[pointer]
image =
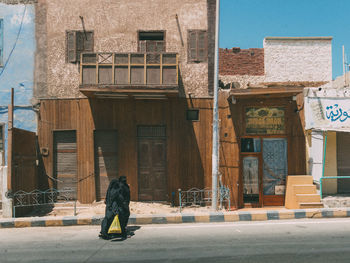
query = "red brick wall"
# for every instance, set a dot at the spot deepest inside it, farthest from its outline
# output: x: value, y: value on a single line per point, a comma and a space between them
x: 238, y: 61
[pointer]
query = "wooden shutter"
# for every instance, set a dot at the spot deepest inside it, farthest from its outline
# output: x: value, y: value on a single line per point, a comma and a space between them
x: 89, y: 42
x: 71, y: 46
x: 201, y: 46
x: 65, y: 156
x: 192, y: 45
x: 197, y: 46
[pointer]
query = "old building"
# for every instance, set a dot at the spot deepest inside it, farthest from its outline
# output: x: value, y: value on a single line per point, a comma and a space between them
x: 263, y: 126
x: 328, y: 120
x: 125, y: 88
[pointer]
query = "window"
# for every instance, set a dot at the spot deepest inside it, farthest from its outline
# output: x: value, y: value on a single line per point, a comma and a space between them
x: 151, y: 41
x: 192, y: 115
x: 197, y: 46
x: 1, y: 41
x: 78, y: 42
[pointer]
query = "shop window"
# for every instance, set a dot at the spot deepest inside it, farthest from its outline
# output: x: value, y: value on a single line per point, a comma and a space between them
x: 250, y: 145
x: 1, y: 41
x: 78, y: 42
x: 151, y: 41
x: 197, y: 46
x: 192, y: 115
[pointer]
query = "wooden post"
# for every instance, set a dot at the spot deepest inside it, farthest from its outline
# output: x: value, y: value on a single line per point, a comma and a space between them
x: 9, y: 143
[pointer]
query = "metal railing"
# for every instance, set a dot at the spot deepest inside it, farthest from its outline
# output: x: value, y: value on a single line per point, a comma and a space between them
x: 39, y: 198
x: 203, y: 197
x: 331, y: 177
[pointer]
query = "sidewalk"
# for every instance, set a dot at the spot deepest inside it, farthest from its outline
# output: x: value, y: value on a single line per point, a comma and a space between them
x: 260, y: 214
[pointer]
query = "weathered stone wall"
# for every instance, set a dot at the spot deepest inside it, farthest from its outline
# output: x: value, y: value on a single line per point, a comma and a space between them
x: 241, y: 81
x: 115, y: 25
x: 298, y: 59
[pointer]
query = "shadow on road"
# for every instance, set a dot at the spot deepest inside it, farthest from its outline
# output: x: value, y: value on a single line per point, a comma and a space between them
x: 131, y: 232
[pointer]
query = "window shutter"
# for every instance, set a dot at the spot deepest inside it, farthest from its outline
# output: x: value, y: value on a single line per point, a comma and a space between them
x: 192, y: 45
x: 201, y: 46
x: 71, y: 46
x: 89, y: 42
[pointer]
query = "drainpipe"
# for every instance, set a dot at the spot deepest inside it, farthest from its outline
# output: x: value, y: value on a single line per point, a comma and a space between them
x: 215, y: 153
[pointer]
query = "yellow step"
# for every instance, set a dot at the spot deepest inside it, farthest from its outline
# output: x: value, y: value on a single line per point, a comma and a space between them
x: 304, y: 189
x: 311, y: 205
x: 308, y: 198
x: 300, y: 179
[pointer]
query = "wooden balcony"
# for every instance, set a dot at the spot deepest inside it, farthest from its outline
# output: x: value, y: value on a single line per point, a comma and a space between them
x: 129, y: 74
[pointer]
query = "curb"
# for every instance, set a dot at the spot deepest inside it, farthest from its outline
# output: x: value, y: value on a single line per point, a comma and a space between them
x: 178, y: 218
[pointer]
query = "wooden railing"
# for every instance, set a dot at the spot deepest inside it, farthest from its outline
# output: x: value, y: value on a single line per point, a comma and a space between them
x: 139, y: 69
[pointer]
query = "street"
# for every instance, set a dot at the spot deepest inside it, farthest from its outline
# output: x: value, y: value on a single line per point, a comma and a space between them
x: 315, y: 240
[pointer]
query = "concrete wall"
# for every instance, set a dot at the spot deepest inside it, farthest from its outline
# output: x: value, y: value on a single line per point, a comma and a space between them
x: 115, y: 25
x: 298, y: 59
x: 18, y: 73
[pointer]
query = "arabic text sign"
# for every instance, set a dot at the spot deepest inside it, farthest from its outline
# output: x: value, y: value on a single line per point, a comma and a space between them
x: 327, y: 113
x: 267, y: 120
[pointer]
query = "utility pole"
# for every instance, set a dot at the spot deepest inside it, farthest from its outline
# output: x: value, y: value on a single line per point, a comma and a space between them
x: 344, y: 67
x: 215, y: 153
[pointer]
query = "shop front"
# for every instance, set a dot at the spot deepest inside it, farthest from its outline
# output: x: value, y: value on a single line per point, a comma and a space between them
x: 271, y: 145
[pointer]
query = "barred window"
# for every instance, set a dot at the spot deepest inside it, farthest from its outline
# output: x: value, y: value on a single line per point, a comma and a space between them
x: 151, y: 41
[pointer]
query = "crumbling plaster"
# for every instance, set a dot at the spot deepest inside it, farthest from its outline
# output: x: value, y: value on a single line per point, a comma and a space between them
x: 115, y: 24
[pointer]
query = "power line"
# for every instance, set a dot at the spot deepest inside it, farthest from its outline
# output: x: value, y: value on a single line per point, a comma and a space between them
x: 14, y: 45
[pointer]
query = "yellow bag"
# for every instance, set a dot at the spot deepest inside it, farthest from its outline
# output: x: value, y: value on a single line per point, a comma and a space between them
x: 115, y: 226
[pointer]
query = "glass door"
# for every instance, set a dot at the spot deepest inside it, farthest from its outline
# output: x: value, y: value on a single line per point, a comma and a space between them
x: 251, y: 179
x: 275, y: 169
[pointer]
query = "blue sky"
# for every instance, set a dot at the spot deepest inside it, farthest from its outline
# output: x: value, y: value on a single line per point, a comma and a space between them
x: 245, y: 23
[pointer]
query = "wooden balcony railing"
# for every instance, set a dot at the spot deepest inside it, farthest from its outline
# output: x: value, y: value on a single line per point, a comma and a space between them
x: 129, y: 69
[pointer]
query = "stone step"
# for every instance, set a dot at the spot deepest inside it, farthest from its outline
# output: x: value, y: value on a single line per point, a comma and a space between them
x: 310, y: 205
x: 308, y: 198
x: 304, y: 189
x: 300, y: 179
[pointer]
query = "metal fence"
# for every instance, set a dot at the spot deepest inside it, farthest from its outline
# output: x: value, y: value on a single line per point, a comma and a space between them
x: 203, y: 197
x: 39, y: 198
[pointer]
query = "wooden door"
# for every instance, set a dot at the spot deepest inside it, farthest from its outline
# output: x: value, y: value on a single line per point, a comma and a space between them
x: 65, y: 160
x: 343, y: 164
x: 106, y: 160
x: 152, y: 174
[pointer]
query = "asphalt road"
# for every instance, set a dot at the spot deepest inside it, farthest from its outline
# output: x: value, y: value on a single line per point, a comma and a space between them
x: 313, y: 240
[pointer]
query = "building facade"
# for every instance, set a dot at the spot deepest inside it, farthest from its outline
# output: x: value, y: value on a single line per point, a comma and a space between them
x: 125, y: 88
x: 265, y: 102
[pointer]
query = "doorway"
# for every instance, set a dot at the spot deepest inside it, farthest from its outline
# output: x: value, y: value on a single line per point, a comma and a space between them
x: 264, y: 171
x: 152, y: 172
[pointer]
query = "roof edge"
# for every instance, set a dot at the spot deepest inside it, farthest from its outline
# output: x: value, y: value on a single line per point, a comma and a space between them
x: 299, y: 38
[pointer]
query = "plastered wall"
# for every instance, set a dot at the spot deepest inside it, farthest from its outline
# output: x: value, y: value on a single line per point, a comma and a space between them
x: 298, y: 59
x: 115, y: 24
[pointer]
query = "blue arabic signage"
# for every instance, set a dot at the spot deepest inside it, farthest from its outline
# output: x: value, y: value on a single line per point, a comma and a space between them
x: 327, y: 113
